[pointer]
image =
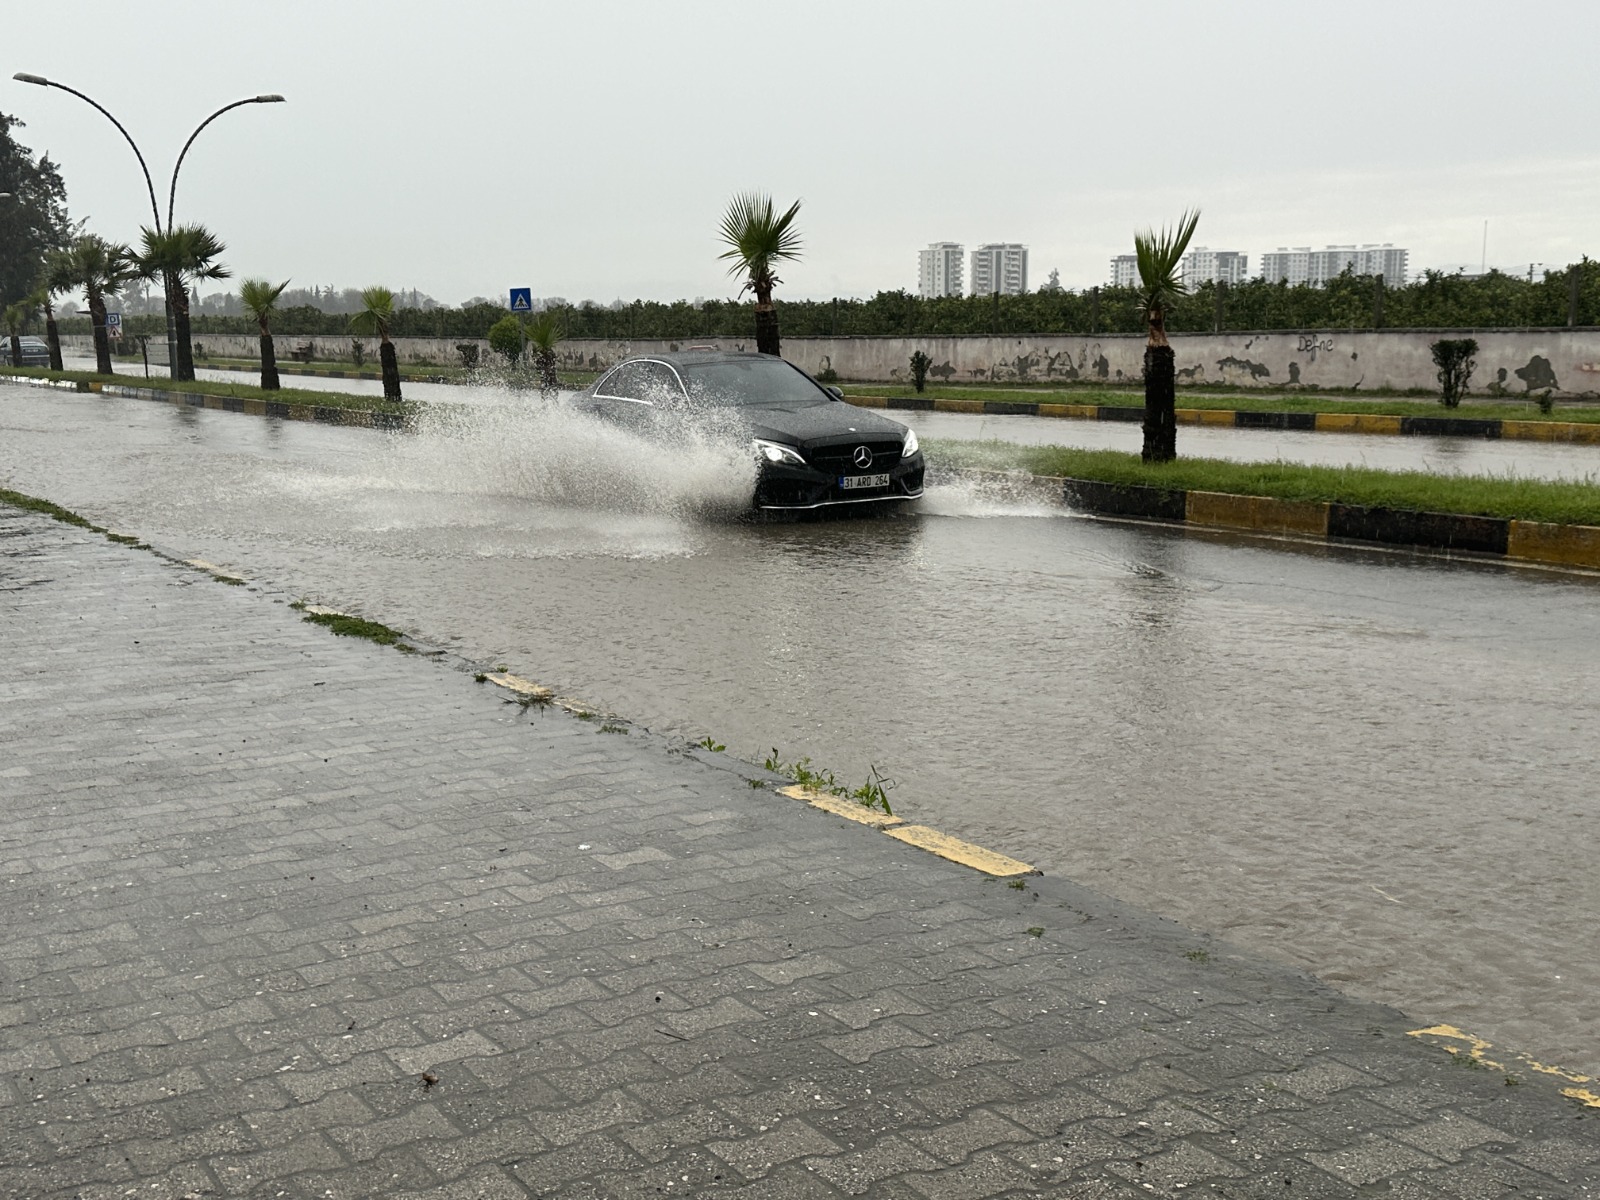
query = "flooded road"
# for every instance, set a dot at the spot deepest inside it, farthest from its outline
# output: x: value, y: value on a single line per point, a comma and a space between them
x: 1374, y: 765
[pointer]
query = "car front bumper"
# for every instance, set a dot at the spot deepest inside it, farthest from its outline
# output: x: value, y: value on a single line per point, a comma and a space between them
x: 786, y: 487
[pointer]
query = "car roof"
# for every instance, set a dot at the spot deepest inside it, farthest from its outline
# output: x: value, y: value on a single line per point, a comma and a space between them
x: 696, y: 357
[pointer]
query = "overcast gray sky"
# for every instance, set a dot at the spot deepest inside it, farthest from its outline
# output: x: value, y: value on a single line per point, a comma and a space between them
x: 588, y: 148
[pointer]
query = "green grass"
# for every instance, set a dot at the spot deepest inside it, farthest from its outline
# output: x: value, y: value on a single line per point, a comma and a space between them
x: 419, y: 372
x: 1214, y: 396
x: 211, y: 387
x: 343, y: 625
x: 34, y: 504
x: 1558, y: 502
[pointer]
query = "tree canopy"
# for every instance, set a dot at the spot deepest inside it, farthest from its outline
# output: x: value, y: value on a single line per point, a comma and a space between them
x: 33, y: 221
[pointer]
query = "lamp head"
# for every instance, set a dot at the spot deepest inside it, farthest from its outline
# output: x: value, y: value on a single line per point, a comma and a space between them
x: 274, y: 98
x: 24, y: 77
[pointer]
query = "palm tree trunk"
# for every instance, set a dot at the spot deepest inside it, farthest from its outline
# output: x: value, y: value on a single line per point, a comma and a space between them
x: 1160, y: 393
x: 766, y: 322
x: 391, y: 369
x: 16, y: 350
x: 1160, y: 404
x: 52, y: 335
x: 180, y: 321
x: 269, y: 361
x: 102, y: 343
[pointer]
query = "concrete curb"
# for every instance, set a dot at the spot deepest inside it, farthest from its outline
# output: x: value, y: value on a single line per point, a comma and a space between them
x: 1524, y: 541
x: 1377, y: 423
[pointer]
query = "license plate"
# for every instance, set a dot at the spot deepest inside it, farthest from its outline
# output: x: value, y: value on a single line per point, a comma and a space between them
x: 847, y: 482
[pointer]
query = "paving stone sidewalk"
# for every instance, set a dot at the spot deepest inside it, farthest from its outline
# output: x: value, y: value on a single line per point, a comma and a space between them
x: 293, y: 915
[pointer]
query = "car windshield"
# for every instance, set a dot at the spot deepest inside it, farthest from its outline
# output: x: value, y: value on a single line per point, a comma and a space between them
x: 750, y: 383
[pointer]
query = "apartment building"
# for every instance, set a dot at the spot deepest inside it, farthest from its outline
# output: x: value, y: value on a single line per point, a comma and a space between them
x: 1305, y: 265
x: 1203, y: 265
x: 939, y: 270
x: 1000, y: 267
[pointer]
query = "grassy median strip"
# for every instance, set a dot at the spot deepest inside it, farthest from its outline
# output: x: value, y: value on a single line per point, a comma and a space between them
x: 1393, y: 404
x: 212, y: 387
x: 1555, y: 501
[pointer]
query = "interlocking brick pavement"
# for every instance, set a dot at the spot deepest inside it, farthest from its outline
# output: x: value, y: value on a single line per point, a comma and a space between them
x: 294, y: 915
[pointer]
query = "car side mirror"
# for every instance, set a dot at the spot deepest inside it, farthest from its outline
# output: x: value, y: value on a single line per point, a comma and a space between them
x: 836, y: 393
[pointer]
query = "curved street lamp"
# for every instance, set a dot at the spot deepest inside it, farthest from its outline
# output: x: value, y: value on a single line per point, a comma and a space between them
x: 172, y: 191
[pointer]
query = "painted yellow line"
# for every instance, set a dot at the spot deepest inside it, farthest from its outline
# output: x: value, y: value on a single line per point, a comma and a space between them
x: 201, y: 564
x: 1551, y: 431
x: 1455, y: 1041
x: 1205, y: 416
x: 1573, y: 545
x: 1306, y: 517
x: 1357, y: 423
x: 523, y: 687
x: 1073, y: 412
x: 958, y: 851
x: 840, y: 806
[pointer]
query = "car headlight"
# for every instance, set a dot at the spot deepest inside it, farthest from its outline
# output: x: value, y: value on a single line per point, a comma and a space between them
x: 911, y: 446
x: 777, y: 452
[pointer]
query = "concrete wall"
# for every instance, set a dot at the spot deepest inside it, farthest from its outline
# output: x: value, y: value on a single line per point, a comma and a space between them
x: 1510, y: 362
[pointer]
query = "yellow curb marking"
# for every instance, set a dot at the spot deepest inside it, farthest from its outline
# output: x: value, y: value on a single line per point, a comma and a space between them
x: 1578, y: 545
x: 201, y: 564
x: 958, y: 851
x: 1474, y: 1047
x: 1257, y: 512
x: 1071, y: 412
x: 523, y: 687
x: 1205, y: 416
x: 839, y: 806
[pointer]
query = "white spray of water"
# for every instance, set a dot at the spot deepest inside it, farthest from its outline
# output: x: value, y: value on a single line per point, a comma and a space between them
x: 523, y: 446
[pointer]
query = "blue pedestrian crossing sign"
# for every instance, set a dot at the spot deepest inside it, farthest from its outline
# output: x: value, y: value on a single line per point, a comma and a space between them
x: 521, y: 299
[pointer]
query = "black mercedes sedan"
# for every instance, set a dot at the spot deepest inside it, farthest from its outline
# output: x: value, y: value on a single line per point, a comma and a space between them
x: 813, y: 450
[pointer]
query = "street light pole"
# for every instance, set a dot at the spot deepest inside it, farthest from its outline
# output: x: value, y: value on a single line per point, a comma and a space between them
x: 172, y: 192
x: 168, y: 283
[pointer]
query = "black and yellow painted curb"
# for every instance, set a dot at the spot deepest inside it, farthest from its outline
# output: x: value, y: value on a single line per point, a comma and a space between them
x: 325, y: 414
x: 325, y: 373
x: 1379, y: 423
x: 1526, y: 541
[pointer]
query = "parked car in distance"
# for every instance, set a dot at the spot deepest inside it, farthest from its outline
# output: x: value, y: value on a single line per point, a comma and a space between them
x: 812, y: 449
x: 34, y: 352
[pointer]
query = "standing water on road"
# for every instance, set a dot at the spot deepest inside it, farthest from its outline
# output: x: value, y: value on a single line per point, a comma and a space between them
x: 1375, y: 765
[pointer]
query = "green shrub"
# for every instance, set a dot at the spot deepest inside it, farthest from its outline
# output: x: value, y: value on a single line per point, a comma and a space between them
x: 920, y: 363
x: 505, y: 338
x: 1454, y: 358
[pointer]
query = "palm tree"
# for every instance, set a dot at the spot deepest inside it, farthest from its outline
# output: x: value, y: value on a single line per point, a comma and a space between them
x: 544, y: 333
x: 56, y: 279
x: 14, y: 318
x: 1160, y: 284
x: 376, y: 313
x: 177, y: 257
x: 757, y: 241
x: 260, y: 300
x: 99, y: 268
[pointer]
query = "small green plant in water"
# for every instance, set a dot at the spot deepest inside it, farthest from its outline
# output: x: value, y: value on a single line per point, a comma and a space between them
x: 612, y: 727
x: 1016, y: 885
x: 871, y: 794
x: 480, y: 677
x: 341, y: 625
x: 1036, y: 931
x: 582, y: 715
x: 707, y: 743
x: 1199, y: 956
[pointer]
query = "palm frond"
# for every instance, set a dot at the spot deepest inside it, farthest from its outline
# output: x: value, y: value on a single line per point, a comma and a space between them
x: 1159, y: 256
x: 376, y: 312
x: 185, y: 251
x: 259, y: 297
x: 545, y: 331
x: 757, y: 238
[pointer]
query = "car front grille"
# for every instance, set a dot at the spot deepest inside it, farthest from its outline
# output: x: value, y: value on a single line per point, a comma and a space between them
x: 839, y: 460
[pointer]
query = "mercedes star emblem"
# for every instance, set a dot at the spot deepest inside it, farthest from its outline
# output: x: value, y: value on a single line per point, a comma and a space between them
x: 862, y: 457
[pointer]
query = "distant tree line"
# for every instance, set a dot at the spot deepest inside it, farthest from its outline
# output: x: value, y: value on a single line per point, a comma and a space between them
x: 1435, y: 301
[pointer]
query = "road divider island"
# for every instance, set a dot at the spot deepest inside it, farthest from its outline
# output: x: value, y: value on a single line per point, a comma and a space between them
x: 1553, y: 522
